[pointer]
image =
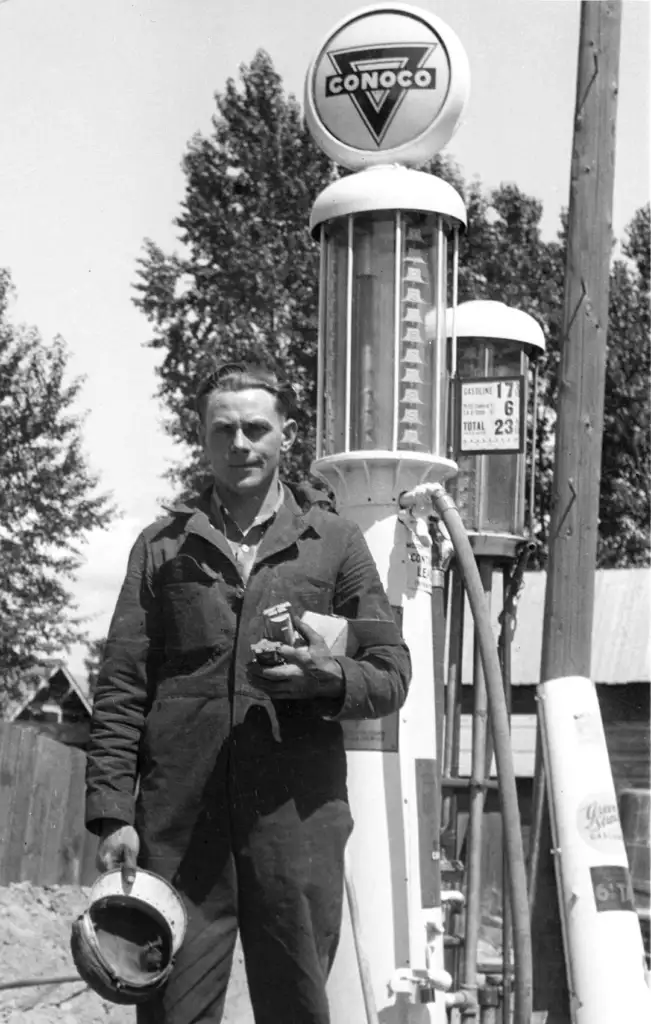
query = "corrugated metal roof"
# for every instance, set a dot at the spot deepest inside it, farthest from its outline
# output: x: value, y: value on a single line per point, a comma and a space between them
x: 621, y: 651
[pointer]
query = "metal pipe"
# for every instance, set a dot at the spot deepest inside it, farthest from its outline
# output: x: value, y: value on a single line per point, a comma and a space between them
x: 488, y: 1015
x: 477, y: 801
x: 450, y: 830
x: 438, y: 638
x: 396, y: 330
x: 458, y: 707
x: 362, y: 961
x: 62, y: 979
x: 440, y: 291
x: 460, y: 999
x: 450, y: 765
x: 534, y: 453
x: 453, y: 348
x: 320, y: 374
x: 501, y: 737
x: 450, y: 782
x: 349, y: 329
x: 489, y: 1002
x: 455, y: 299
x: 438, y: 634
x: 505, y: 660
x: 537, y: 822
x: 489, y: 751
x: 512, y: 584
x: 450, y: 759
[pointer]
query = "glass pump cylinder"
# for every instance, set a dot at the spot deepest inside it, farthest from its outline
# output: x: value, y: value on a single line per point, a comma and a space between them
x: 387, y: 278
x: 494, y: 341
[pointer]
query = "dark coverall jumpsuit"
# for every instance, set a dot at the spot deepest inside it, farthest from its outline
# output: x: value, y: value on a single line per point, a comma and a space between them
x: 242, y: 800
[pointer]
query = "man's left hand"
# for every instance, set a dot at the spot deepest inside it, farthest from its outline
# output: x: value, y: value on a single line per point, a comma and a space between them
x: 309, y: 671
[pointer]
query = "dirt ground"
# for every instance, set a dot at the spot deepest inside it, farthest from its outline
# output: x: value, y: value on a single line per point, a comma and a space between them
x: 34, y: 943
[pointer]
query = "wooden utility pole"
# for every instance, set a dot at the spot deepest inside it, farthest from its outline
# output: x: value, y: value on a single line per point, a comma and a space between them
x: 569, y: 597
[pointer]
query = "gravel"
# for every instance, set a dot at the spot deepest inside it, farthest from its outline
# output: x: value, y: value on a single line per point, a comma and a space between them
x: 35, y: 943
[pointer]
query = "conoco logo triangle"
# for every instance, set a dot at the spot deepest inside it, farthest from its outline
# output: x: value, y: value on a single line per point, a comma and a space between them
x: 377, y: 79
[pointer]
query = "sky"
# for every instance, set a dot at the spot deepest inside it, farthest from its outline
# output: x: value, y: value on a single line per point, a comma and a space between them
x: 97, y: 104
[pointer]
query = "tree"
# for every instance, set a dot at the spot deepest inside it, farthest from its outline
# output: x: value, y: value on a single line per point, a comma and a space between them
x: 48, y: 500
x: 245, y: 284
x: 246, y: 281
x: 625, y: 481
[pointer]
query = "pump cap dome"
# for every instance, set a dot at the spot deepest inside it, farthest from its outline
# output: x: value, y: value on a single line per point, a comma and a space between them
x: 388, y: 188
x: 486, y: 318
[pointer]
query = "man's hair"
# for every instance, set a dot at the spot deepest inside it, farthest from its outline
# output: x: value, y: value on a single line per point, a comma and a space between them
x: 239, y: 377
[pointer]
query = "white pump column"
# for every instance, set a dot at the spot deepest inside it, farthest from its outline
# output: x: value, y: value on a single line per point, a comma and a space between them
x: 383, y: 386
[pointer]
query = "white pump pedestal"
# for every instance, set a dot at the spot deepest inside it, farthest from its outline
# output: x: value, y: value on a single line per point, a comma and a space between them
x: 392, y: 784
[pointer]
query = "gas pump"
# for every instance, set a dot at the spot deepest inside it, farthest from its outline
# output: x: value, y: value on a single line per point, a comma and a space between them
x: 384, y: 94
x: 495, y: 398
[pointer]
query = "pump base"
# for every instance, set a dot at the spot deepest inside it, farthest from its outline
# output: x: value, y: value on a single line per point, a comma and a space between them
x: 379, y: 477
x: 502, y: 547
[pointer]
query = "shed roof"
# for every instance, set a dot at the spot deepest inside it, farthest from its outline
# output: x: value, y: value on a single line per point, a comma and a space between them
x: 58, y: 684
x: 621, y: 651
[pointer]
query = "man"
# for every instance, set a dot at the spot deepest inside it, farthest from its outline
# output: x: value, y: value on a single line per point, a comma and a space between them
x: 241, y: 769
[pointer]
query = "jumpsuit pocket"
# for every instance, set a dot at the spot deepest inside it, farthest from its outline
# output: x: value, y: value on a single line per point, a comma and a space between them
x: 183, y: 729
x: 314, y: 595
x: 192, y: 619
x: 185, y: 569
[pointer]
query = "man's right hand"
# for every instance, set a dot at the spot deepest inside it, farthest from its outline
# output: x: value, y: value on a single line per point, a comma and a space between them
x: 119, y: 848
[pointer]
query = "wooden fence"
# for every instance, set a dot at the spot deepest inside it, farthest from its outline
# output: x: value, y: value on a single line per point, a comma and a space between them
x: 42, y: 834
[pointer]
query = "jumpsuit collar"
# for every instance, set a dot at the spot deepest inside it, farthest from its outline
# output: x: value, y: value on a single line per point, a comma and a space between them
x: 222, y: 518
x: 289, y: 524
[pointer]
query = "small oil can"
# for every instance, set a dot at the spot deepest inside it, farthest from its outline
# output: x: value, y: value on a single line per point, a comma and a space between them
x: 278, y: 624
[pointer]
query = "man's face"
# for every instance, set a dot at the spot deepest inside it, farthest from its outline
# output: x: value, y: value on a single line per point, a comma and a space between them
x: 244, y: 436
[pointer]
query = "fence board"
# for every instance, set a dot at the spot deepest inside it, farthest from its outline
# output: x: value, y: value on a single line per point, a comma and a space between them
x: 42, y: 834
x: 54, y: 767
x: 9, y: 747
x: 23, y: 771
x: 38, y: 800
x: 59, y: 797
x: 73, y: 833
